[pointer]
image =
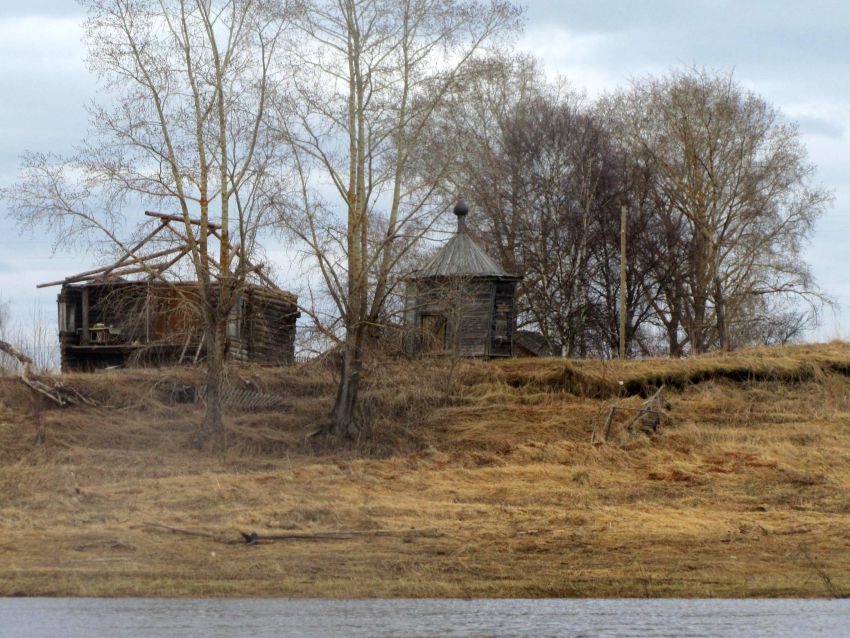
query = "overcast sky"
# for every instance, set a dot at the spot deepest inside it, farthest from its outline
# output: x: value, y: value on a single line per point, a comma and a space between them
x: 794, y: 54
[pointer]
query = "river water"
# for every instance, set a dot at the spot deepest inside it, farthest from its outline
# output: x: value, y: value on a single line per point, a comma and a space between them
x: 237, y: 618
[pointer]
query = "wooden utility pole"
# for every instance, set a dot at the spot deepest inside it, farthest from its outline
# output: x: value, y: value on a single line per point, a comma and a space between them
x: 622, y: 282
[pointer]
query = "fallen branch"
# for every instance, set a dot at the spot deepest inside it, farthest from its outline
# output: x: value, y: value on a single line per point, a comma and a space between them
x: 653, y: 405
x: 57, y: 393
x: 827, y: 581
x: 253, y: 538
x: 12, y: 351
x: 104, y: 559
x: 650, y: 413
x: 178, y: 530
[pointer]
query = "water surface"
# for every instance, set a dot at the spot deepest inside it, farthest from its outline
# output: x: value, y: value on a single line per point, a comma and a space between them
x: 237, y: 618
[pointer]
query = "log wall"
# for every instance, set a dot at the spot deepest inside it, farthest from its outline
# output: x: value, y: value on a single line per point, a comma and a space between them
x: 140, y: 323
x: 479, y: 314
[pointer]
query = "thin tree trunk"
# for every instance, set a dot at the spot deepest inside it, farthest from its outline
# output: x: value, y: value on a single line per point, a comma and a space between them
x: 720, y: 311
x: 211, y: 430
x: 342, y: 416
x: 674, y: 347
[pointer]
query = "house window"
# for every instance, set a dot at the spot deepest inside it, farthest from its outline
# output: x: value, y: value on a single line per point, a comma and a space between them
x: 234, y: 321
x: 67, y: 320
x: 500, y: 328
x: 433, y: 329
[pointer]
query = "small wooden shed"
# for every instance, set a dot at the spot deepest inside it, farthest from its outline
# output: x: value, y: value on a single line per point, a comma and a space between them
x: 130, y: 314
x: 461, y: 301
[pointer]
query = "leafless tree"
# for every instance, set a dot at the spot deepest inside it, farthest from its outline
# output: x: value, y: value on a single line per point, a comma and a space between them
x: 628, y: 183
x: 186, y: 127
x: 369, y: 75
x: 486, y: 159
x: 549, y: 181
x: 716, y: 185
x: 734, y: 184
x: 4, y: 314
x: 5, y: 362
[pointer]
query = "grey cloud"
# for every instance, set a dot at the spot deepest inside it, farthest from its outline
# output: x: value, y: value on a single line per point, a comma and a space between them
x: 52, y: 8
x: 776, y: 17
x: 47, y: 87
x: 820, y: 126
x: 770, y: 37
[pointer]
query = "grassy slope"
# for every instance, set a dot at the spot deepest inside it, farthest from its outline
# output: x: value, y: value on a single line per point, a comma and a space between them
x: 743, y: 493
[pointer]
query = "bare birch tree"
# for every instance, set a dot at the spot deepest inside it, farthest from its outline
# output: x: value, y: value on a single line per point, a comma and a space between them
x: 488, y: 158
x: 369, y: 77
x: 185, y: 127
x: 733, y: 177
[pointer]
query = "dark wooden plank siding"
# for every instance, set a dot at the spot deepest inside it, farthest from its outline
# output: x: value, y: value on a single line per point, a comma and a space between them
x: 502, y: 326
x: 474, y: 319
x: 270, y: 328
x: 466, y: 305
x: 156, y: 324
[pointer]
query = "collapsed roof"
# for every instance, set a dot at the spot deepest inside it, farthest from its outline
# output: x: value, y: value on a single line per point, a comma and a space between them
x: 139, y: 261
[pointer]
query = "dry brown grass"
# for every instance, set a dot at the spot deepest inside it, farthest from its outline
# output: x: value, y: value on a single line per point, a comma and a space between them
x: 743, y: 493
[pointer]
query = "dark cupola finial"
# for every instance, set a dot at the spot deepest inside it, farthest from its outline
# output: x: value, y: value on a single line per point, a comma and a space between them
x: 461, y: 210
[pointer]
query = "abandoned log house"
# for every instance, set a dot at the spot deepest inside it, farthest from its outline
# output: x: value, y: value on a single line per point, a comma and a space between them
x: 131, y: 313
x: 461, y: 301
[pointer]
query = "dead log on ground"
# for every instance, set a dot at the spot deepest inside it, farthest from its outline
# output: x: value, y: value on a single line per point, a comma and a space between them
x: 649, y: 416
x: 253, y: 538
x: 56, y: 392
x: 650, y: 413
x: 178, y: 530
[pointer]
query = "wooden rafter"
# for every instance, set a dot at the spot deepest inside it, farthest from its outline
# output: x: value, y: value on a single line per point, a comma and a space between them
x: 132, y: 263
x: 178, y: 218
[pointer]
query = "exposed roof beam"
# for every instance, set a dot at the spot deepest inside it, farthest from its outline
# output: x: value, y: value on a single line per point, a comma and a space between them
x: 180, y: 218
